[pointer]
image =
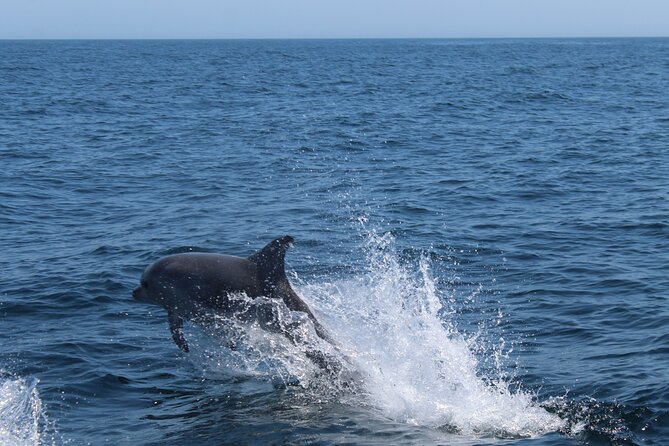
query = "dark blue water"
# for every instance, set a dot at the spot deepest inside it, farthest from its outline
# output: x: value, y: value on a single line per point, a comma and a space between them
x: 483, y: 226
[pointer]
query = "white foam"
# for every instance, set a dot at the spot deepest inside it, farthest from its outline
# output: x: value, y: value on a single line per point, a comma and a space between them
x: 21, y: 412
x: 418, y: 368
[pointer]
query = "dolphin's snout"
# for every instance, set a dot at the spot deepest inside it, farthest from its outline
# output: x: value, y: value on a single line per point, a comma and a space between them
x: 136, y: 293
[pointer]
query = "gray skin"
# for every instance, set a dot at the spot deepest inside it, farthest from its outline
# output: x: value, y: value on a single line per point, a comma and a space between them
x: 195, y: 286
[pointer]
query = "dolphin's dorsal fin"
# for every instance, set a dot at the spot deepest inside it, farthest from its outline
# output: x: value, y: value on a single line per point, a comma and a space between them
x: 271, y: 273
x: 270, y: 262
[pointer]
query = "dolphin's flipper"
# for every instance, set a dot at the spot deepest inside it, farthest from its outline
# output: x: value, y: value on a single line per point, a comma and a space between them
x: 176, y: 327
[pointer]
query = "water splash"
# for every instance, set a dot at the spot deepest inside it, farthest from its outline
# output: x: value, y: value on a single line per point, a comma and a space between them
x: 392, y: 328
x: 418, y: 368
x: 249, y: 351
x: 591, y: 421
x: 22, y: 418
x: 300, y: 359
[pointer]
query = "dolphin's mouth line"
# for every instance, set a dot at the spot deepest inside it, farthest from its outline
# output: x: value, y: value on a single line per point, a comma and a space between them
x: 139, y: 297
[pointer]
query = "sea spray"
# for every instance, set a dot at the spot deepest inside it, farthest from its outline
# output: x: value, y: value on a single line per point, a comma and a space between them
x: 230, y: 348
x: 22, y: 418
x: 418, y: 367
x: 394, y: 325
x: 225, y: 347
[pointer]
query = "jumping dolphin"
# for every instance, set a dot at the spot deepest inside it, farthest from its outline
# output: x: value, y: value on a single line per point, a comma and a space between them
x: 193, y: 286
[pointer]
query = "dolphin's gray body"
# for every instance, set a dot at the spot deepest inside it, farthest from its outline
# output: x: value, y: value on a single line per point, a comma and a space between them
x: 195, y: 285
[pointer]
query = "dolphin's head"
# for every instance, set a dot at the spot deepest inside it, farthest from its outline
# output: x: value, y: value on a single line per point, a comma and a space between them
x: 151, y: 289
x: 142, y: 294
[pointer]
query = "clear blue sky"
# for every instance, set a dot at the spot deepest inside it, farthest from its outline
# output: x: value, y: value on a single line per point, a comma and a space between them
x: 47, y: 19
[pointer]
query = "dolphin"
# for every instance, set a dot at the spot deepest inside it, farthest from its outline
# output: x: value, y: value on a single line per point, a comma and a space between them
x: 195, y: 286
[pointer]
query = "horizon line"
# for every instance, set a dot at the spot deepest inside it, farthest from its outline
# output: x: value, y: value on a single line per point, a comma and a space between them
x: 335, y: 38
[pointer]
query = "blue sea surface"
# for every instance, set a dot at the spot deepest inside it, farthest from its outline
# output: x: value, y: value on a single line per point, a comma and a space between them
x: 482, y: 226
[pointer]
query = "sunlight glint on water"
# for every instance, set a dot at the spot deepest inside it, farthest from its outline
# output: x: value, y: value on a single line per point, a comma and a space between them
x: 549, y: 154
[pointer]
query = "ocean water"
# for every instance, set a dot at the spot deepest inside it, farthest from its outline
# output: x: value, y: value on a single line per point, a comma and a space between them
x: 482, y: 226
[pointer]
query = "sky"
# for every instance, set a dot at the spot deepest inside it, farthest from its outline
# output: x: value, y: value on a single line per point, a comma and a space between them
x: 230, y: 19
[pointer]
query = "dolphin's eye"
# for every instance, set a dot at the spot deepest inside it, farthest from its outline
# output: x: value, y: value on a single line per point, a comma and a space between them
x: 145, y: 284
